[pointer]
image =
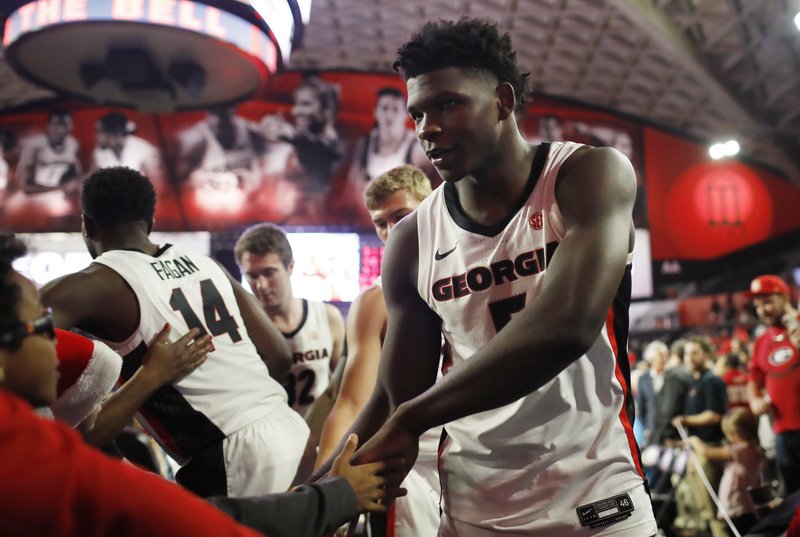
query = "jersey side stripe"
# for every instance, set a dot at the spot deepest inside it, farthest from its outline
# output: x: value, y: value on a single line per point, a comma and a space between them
x: 390, y: 520
x: 189, y: 430
x: 616, y: 328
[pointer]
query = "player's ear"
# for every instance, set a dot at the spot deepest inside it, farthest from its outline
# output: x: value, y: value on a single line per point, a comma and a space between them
x: 290, y: 267
x: 88, y: 226
x: 506, y: 100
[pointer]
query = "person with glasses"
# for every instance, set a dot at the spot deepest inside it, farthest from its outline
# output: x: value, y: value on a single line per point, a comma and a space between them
x: 53, y: 484
x: 28, y: 362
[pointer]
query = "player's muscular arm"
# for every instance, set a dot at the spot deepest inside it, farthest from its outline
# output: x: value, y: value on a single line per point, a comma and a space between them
x: 366, y: 322
x: 595, y: 194
x: 269, y: 342
x: 96, y: 300
x: 412, y: 345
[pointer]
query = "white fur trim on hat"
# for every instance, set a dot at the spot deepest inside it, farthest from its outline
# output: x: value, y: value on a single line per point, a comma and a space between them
x: 95, y: 383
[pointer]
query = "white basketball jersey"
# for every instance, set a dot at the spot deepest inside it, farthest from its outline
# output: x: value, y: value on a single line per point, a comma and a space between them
x: 232, y: 389
x: 52, y: 166
x: 136, y: 153
x: 561, y: 460
x: 311, y: 345
x: 223, y: 168
x: 376, y: 163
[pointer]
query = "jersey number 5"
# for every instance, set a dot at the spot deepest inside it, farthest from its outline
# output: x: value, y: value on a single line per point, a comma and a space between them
x: 502, y: 310
x: 218, y: 320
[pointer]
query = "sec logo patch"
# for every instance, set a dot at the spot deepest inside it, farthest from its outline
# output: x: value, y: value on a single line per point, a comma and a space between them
x: 536, y: 220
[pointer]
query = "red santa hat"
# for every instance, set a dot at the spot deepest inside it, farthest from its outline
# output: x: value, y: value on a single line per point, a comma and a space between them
x: 89, y: 370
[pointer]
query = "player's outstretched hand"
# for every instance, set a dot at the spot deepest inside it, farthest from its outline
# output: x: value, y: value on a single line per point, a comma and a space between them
x: 391, y: 441
x: 376, y: 484
x: 169, y: 362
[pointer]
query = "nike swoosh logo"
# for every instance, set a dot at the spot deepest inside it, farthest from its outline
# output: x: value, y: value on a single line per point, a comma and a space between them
x: 438, y: 257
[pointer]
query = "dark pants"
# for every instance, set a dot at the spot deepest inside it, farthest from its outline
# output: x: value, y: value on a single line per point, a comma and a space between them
x: 787, y: 457
x: 743, y: 523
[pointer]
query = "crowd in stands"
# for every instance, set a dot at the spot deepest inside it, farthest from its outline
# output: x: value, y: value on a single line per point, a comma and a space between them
x: 718, y: 410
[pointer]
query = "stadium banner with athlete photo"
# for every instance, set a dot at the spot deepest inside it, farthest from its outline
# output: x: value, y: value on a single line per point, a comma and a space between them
x: 302, y: 151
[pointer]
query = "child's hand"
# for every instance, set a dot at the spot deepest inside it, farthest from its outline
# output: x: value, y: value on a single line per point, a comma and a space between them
x: 169, y: 362
x: 375, y: 484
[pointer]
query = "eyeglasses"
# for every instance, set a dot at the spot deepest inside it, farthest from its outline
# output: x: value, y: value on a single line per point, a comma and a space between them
x: 41, y: 326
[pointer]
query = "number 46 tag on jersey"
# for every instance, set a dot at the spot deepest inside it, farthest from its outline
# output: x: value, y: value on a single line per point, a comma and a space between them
x: 606, y: 511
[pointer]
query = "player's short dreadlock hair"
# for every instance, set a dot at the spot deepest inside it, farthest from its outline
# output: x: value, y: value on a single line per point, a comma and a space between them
x: 466, y: 44
x: 118, y: 194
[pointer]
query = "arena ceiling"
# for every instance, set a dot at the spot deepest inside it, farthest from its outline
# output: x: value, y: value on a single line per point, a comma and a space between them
x: 712, y: 69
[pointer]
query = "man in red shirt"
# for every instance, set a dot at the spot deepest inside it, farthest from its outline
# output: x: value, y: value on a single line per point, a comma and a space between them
x: 775, y: 373
x: 735, y: 378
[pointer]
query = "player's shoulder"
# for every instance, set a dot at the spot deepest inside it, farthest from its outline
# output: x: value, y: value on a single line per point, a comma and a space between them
x: 37, y: 141
x: 405, y: 232
x: 368, y: 307
x: 369, y: 297
x: 586, y: 157
x: 90, y: 276
x: 93, y: 290
x: 602, y: 170
x: 331, y: 311
x: 72, y: 143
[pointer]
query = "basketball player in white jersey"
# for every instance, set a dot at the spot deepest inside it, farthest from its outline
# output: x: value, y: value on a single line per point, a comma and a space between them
x: 313, y: 330
x: 48, y: 172
x: 116, y: 145
x: 388, y: 145
x: 308, y: 149
x: 390, y: 197
x: 227, y: 422
x: 219, y: 165
x: 50, y: 160
x: 521, y: 259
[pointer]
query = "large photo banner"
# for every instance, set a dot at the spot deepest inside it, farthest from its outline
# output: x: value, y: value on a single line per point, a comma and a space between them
x: 301, y: 154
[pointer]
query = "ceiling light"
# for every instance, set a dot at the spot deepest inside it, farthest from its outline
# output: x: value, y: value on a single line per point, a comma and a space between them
x: 797, y: 20
x: 723, y: 149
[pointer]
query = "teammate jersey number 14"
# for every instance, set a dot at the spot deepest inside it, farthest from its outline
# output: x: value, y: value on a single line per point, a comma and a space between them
x: 218, y: 320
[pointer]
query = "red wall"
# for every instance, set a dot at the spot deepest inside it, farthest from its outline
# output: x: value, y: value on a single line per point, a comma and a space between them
x: 700, y: 209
